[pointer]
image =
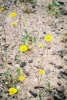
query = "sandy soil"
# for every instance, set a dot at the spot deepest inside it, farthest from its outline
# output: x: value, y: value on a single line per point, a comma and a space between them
x: 37, y: 20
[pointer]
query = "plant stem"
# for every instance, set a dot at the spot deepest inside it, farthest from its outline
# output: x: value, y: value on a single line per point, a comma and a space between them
x: 48, y: 62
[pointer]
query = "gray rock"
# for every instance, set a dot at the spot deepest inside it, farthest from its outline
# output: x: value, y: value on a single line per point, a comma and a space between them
x: 47, y: 72
x: 23, y: 64
x: 26, y: 73
x: 60, y: 53
x: 58, y: 33
x: 59, y: 66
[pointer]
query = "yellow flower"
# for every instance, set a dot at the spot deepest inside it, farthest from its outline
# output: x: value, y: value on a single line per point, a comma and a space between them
x: 13, y: 23
x: 21, y: 78
x: 2, y: 9
x: 40, y: 45
x: 12, y: 15
x: 23, y: 21
x: 66, y: 90
x: 23, y: 48
x: 41, y: 71
x: 39, y: 59
x: 12, y: 91
x: 48, y: 38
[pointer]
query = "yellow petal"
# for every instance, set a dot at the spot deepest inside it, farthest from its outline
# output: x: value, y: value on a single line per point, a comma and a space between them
x: 47, y: 37
x: 2, y: 9
x: 13, y: 23
x: 12, y: 91
x: 66, y: 90
x: 23, y: 48
x: 39, y: 59
x: 12, y: 15
x: 21, y: 78
x: 40, y: 45
x: 41, y: 71
x: 23, y: 21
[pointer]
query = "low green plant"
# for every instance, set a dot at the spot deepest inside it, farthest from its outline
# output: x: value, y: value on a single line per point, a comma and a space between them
x: 54, y: 9
x: 63, y: 38
x: 40, y: 97
x: 28, y: 39
x: 48, y: 86
x: 18, y: 71
x: 7, y: 74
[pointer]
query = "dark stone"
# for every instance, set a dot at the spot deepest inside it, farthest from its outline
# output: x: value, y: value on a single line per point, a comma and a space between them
x: 33, y: 6
x: 1, y: 96
x: 33, y: 94
x: 10, y: 62
x: 62, y: 3
x: 60, y: 53
x: 64, y: 97
x: 57, y: 33
x: 64, y: 72
x: 61, y: 27
x: 15, y: 1
x: 26, y: 73
x: 56, y: 97
x: 59, y: 83
x: 59, y: 67
x: 61, y: 74
x: 23, y: 64
x: 65, y: 46
x: 49, y: 47
x: 0, y: 65
x: 44, y: 32
x: 37, y: 87
x: 30, y: 61
x: 50, y: 91
x: 13, y: 97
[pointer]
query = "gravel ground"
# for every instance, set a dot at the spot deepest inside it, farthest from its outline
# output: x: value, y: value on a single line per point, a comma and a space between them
x: 37, y: 21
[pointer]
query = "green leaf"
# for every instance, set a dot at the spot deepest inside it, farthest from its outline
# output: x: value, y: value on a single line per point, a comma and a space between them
x: 26, y: 37
x: 34, y: 39
x: 54, y: 4
x: 48, y: 84
x: 7, y: 74
x: 18, y: 71
x: 40, y: 97
x: 25, y: 31
x: 15, y: 86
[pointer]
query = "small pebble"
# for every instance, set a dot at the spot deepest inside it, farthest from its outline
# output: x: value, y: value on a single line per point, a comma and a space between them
x: 59, y: 83
x: 26, y: 73
x: 33, y: 94
x: 47, y: 72
x: 59, y: 66
x: 23, y: 64
x: 57, y: 33
x: 60, y: 53
x: 30, y: 61
x: 44, y: 32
